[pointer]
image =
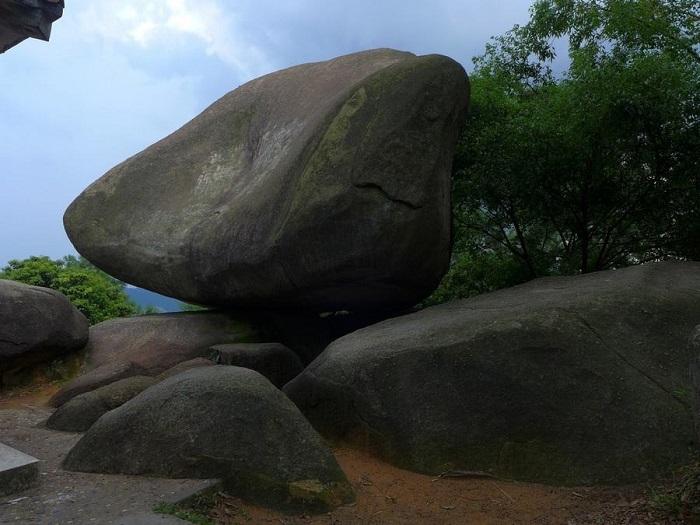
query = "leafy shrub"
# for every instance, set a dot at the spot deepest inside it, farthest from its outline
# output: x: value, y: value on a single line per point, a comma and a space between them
x: 97, y: 295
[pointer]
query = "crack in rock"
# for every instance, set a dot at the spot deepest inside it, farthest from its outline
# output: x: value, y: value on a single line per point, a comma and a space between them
x: 376, y: 187
x: 658, y: 384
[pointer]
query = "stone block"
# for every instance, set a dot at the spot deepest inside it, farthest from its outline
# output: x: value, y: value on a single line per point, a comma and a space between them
x: 18, y: 471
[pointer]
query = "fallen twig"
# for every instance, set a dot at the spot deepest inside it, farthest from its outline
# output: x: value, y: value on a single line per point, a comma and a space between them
x: 465, y: 474
x: 504, y: 493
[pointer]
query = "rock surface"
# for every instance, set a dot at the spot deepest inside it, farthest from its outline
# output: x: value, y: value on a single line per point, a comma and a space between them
x: 569, y: 380
x: 79, y: 414
x: 36, y: 324
x: 325, y: 186
x: 179, y: 368
x: 150, y: 345
x: 273, y: 360
x: 158, y: 342
x: 215, y: 422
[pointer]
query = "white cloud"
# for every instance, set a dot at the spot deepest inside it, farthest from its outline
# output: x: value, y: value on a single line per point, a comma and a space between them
x: 90, y: 108
x: 158, y: 23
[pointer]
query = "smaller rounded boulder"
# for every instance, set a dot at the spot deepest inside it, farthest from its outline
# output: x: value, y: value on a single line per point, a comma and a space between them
x: 221, y: 422
x: 36, y: 325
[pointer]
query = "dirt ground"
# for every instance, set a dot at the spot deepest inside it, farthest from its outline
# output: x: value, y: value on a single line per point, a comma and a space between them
x: 390, y: 496
x: 385, y: 494
x: 29, y: 397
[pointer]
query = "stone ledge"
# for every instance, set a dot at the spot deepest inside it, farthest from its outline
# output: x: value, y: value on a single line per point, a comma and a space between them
x: 18, y: 471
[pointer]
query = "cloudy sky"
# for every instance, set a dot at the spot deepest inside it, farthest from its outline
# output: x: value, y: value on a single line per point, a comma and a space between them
x: 117, y: 76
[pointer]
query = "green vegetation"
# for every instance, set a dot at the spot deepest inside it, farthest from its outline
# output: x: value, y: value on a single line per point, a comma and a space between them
x: 588, y: 169
x: 193, y: 516
x: 188, y: 307
x: 203, y: 508
x: 682, y: 499
x: 97, y: 295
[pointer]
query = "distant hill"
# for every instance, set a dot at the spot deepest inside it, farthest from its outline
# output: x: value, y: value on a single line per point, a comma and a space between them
x: 145, y: 298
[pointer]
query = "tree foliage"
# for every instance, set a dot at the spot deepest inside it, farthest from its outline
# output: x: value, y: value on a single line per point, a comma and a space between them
x: 591, y: 168
x: 97, y: 295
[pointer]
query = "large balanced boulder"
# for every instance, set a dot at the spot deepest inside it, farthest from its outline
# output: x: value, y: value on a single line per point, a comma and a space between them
x: 325, y: 186
x: 36, y: 325
x: 567, y: 380
x: 273, y: 360
x: 78, y: 414
x: 217, y: 422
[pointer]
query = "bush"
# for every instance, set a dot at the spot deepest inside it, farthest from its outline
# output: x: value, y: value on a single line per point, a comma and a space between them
x: 97, y: 295
x: 472, y: 274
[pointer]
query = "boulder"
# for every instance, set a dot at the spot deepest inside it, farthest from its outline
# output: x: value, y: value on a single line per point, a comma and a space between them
x: 324, y: 186
x: 566, y: 380
x: 273, y: 360
x: 157, y: 342
x: 36, y: 325
x: 219, y: 422
x: 78, y: 414
x: 152, y: 344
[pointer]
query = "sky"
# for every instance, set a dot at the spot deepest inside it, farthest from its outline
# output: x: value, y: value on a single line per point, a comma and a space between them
x: 118, y: 76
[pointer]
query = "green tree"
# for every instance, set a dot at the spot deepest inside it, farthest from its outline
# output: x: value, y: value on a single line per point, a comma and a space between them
x: 189, y: 307
x: 592, y: 168
x: 97, y: 295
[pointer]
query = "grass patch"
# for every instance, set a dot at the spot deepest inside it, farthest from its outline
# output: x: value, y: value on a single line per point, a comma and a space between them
x: 682, y: 499
x: 190, y: 515
x: 667, y: 503
x: 207, y: 508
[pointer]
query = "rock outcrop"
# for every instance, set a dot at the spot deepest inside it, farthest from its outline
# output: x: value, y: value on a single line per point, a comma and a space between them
x: 568, y: 380
x: 219, y: 422
x: 94, y: 379
x: 157, y: 342
x: 151, y: 344
x: 273, y: 360
x: 324, y: 186
x: 36, y: 324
